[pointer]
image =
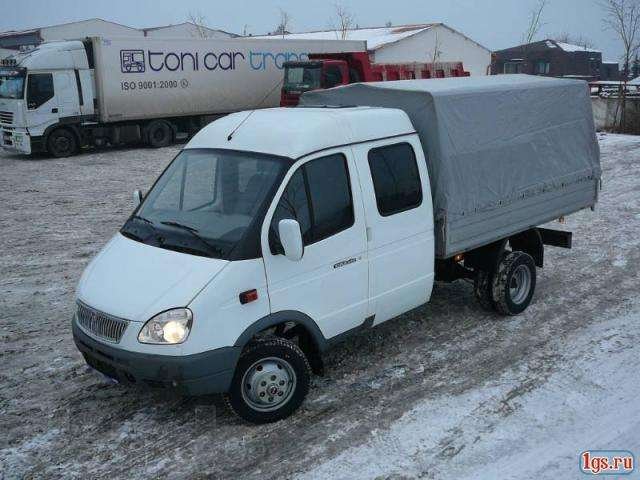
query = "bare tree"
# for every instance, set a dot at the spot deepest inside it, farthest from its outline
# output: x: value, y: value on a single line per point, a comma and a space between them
x: 284, y: 23
x: 434, y: 55
x: 199, y: 22
x: 623, y: 17
x: 580, y: 40
x: 533, y: 28
x: 343, y: 21
x: 535, y: 22
x: 388, y: 24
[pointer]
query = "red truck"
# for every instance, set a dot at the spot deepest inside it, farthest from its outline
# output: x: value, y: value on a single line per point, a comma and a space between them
x: 331, y: 70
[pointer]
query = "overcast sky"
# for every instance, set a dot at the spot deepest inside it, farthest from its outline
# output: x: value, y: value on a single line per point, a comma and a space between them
x: 494, y: 23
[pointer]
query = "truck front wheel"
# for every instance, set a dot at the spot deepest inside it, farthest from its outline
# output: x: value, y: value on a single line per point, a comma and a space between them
x: 514, y: 283
x: 62, y: 143
x: 270, y: 382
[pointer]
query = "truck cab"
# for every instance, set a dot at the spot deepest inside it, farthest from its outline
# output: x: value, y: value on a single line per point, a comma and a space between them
x: 40, y: 91
x: 257, y: 249
x: 304, y: 76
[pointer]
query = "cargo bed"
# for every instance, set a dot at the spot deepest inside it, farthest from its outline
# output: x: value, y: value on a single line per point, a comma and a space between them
x: 505, y: 153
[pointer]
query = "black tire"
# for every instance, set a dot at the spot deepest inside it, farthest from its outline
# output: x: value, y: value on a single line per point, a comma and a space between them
x: 159, y: 134
x: 255, y: 361
x: 514, y: 283
x: 62, y: 143
x: 483, y: 289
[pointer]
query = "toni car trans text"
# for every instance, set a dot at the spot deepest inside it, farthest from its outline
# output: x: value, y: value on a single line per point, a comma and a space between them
x: 607, y: 462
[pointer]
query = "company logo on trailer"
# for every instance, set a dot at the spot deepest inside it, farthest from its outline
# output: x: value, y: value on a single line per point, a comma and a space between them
x: 136, y: 61
x: 132, y: 61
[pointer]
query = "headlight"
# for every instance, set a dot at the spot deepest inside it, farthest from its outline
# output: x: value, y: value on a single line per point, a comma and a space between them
x: 167, y: 328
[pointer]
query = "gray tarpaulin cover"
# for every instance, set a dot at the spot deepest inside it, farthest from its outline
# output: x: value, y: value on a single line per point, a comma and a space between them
x: 504, y: 153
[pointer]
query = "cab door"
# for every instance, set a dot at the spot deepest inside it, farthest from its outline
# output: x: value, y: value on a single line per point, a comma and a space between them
x: 66, y: 88
x: 330, y: 283
x: 42, y: 105
x: 397, y: 200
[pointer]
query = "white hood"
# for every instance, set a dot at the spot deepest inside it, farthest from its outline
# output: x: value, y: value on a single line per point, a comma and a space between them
x: 135, y: 281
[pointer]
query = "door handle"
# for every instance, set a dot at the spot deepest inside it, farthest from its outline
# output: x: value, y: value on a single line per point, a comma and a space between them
x: 54, y: 110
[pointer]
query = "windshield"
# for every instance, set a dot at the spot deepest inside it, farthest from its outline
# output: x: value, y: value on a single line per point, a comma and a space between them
x: 302, y: 78
x: 11, y: 84
x: 206, y: 200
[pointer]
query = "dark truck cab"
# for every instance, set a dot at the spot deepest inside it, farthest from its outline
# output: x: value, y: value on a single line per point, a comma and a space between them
x: 323, y: 71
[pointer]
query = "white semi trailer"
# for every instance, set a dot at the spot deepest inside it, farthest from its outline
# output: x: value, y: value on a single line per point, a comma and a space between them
x: 100, y: 91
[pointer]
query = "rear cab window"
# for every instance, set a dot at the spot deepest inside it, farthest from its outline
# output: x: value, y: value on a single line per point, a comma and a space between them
x: 396, y: 179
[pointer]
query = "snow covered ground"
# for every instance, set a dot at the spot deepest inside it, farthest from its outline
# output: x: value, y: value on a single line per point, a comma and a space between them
x: 446, y: 391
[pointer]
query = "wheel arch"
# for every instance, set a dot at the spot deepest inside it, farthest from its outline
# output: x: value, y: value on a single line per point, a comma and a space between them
x: 74, y: 129
x: 529, y: 241
x: 277, y: 318
x: 313, y: 341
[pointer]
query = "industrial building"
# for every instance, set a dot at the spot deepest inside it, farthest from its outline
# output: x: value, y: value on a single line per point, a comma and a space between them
x: 13, y: 41
x: 554, y: 59
x: 428, y: 42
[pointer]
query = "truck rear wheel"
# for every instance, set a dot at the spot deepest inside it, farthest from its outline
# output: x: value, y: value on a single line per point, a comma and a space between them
x: 62, y: 143
x: 514, y: 283
x: 483, y: 289
x: 159, y: 134
x: 270, y: 382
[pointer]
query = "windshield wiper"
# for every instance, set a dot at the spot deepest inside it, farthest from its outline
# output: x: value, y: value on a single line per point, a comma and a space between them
x: 138, y: 217
x: 194, y: 232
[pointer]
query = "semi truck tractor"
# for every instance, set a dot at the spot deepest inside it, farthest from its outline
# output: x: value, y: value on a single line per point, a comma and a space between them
x: 64, y: 96
x: 276, y: 233
x: 324, y: 70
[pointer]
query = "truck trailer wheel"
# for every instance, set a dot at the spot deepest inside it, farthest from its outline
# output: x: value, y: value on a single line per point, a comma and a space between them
x: 270, y: 382
x: 514, y: 283
x: 159, y: 134
x: 62, y: 143
x: 483, y: 289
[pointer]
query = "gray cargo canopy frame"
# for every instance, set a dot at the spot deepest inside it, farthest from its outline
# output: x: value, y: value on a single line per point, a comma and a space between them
x: 505, y: 153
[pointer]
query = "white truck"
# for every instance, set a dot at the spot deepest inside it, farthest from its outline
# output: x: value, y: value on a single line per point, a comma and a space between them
x: 276, y: 233
x: 63, y: 96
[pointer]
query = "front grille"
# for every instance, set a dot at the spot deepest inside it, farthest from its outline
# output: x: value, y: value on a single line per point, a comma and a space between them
x: 6, y: 118
x: 100, y: 324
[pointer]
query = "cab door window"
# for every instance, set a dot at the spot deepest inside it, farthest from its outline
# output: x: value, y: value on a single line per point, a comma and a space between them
x: 319, y: 197
x: 39, y: 89
x: 332, y: 76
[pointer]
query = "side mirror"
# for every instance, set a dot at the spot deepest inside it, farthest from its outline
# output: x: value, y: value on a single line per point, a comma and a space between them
x: 137, y: 197
x: 291, y: 239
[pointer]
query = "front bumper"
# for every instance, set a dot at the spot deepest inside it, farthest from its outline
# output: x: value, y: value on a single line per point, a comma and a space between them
x: 15, y: 140
x: 199, y: 374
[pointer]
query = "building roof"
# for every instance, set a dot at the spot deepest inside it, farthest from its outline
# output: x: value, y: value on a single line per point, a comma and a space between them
x: 13, y: 33
x: 550, y: 43
x: 567, y: 47
x: 182, y: 24
x: 295, y: 132
x: 375, y: 37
